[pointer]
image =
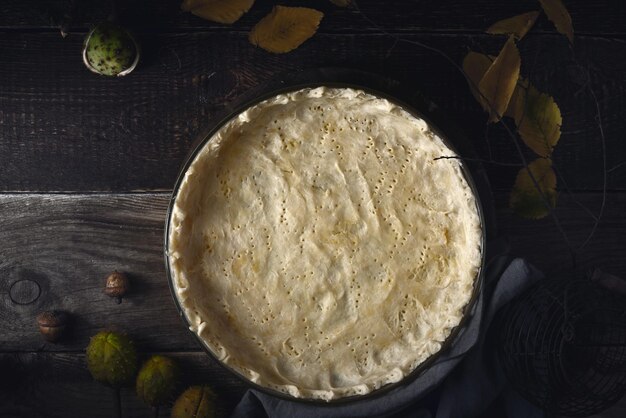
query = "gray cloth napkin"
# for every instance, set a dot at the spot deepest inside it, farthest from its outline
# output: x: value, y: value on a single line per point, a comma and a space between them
x: 466, y: 391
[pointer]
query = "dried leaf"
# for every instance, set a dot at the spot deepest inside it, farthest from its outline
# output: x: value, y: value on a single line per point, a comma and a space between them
x: 558, y: 14
x: 526, y: 199
x: 341, y: 3
x: 538, y: 118
x: 514, y: 107
x: 475, y: 66
x: 285, y: 28
x: 498, y: 83
x: 518, y: 26
x: 221, y: 11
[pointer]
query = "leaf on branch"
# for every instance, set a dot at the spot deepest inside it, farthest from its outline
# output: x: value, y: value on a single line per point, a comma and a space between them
x: 220, y: 11
x: 341, y: 3
x: 518, y: 26
x: 526, y: 200
x: 516, y: 103
x: 285, y: 28
x: 475, y: 65
x: 558, y: 14
x: 499, y: 81
x: 537, y: 117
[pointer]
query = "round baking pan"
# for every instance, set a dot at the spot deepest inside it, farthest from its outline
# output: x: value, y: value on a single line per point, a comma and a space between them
x: 411, y: 101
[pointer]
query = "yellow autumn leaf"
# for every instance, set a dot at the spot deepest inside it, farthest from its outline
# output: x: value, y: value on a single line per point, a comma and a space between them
x: 558, y: 14
x: 475, y: 65
x: 537, y: 117
x: 526, y: 200
x: 221, y: 11
x: 341, y: 3
x: 515, y: 104
x: 285, y: 28
x: 518, y: 26
x: 498, y: 83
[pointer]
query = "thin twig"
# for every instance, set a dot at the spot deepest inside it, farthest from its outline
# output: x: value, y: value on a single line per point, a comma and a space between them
x: 571, y: 194
x: 489, y: 151
x: 114, y: 15
x: 118, y: 402
x: 480, y: 160
x: 620, y: 165
x: 156, y: 411
x: 68, y: 16
x: 604, y: 171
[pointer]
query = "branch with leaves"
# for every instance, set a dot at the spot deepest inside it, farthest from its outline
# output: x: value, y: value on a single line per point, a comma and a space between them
x: 497, y: 85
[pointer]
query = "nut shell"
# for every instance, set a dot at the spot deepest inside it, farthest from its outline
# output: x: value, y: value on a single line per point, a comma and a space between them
x: 195, y: 402
x: 111, y: 358
x: 117, y: 285
x: 110, y: 50
x: 52, y: 325
x: 157, y: 380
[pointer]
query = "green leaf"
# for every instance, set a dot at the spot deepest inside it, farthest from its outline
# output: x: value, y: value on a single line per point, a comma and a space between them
x: 518, y: 26
x: 157, y: 380
x: 498, y: 83
x: 526, y: 199
x: 558, y: 14
x: 111, y: 358
x: 537, y: 117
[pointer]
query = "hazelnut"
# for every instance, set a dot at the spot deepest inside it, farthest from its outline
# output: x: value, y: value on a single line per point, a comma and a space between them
x: 117, y: 285
x: 52, y: 325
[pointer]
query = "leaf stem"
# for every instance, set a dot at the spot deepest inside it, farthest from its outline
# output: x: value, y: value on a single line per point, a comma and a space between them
x: 114, y: 16
x: 570, y: 193
x: 604, y: 170
x: 618, y: 166
x: 68, y: 16
x: 118, y: 402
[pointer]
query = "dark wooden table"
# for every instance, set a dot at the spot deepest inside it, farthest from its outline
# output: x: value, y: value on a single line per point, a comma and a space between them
x: 87, y: 163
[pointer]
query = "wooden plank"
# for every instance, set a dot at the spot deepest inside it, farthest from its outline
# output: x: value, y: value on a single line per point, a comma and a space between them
x: 602, y: 17
x: 65, y: 129
x: 47, y: 385
x: 51, y: 385
x: 63, y: 247
x: 540, y: 242
x: 56, y: 250
x: 67, y: 243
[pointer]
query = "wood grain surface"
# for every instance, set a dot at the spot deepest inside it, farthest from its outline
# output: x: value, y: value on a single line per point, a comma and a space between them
x: 87, y: 162
x: 58, y: 385
x: 64, y: 129
x: 598, y: 17
x: 63, y: 247
x: 56, y: 250
x: 66, y: 245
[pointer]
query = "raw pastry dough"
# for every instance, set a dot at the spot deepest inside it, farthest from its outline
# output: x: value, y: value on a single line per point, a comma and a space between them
x: 318, y: 248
